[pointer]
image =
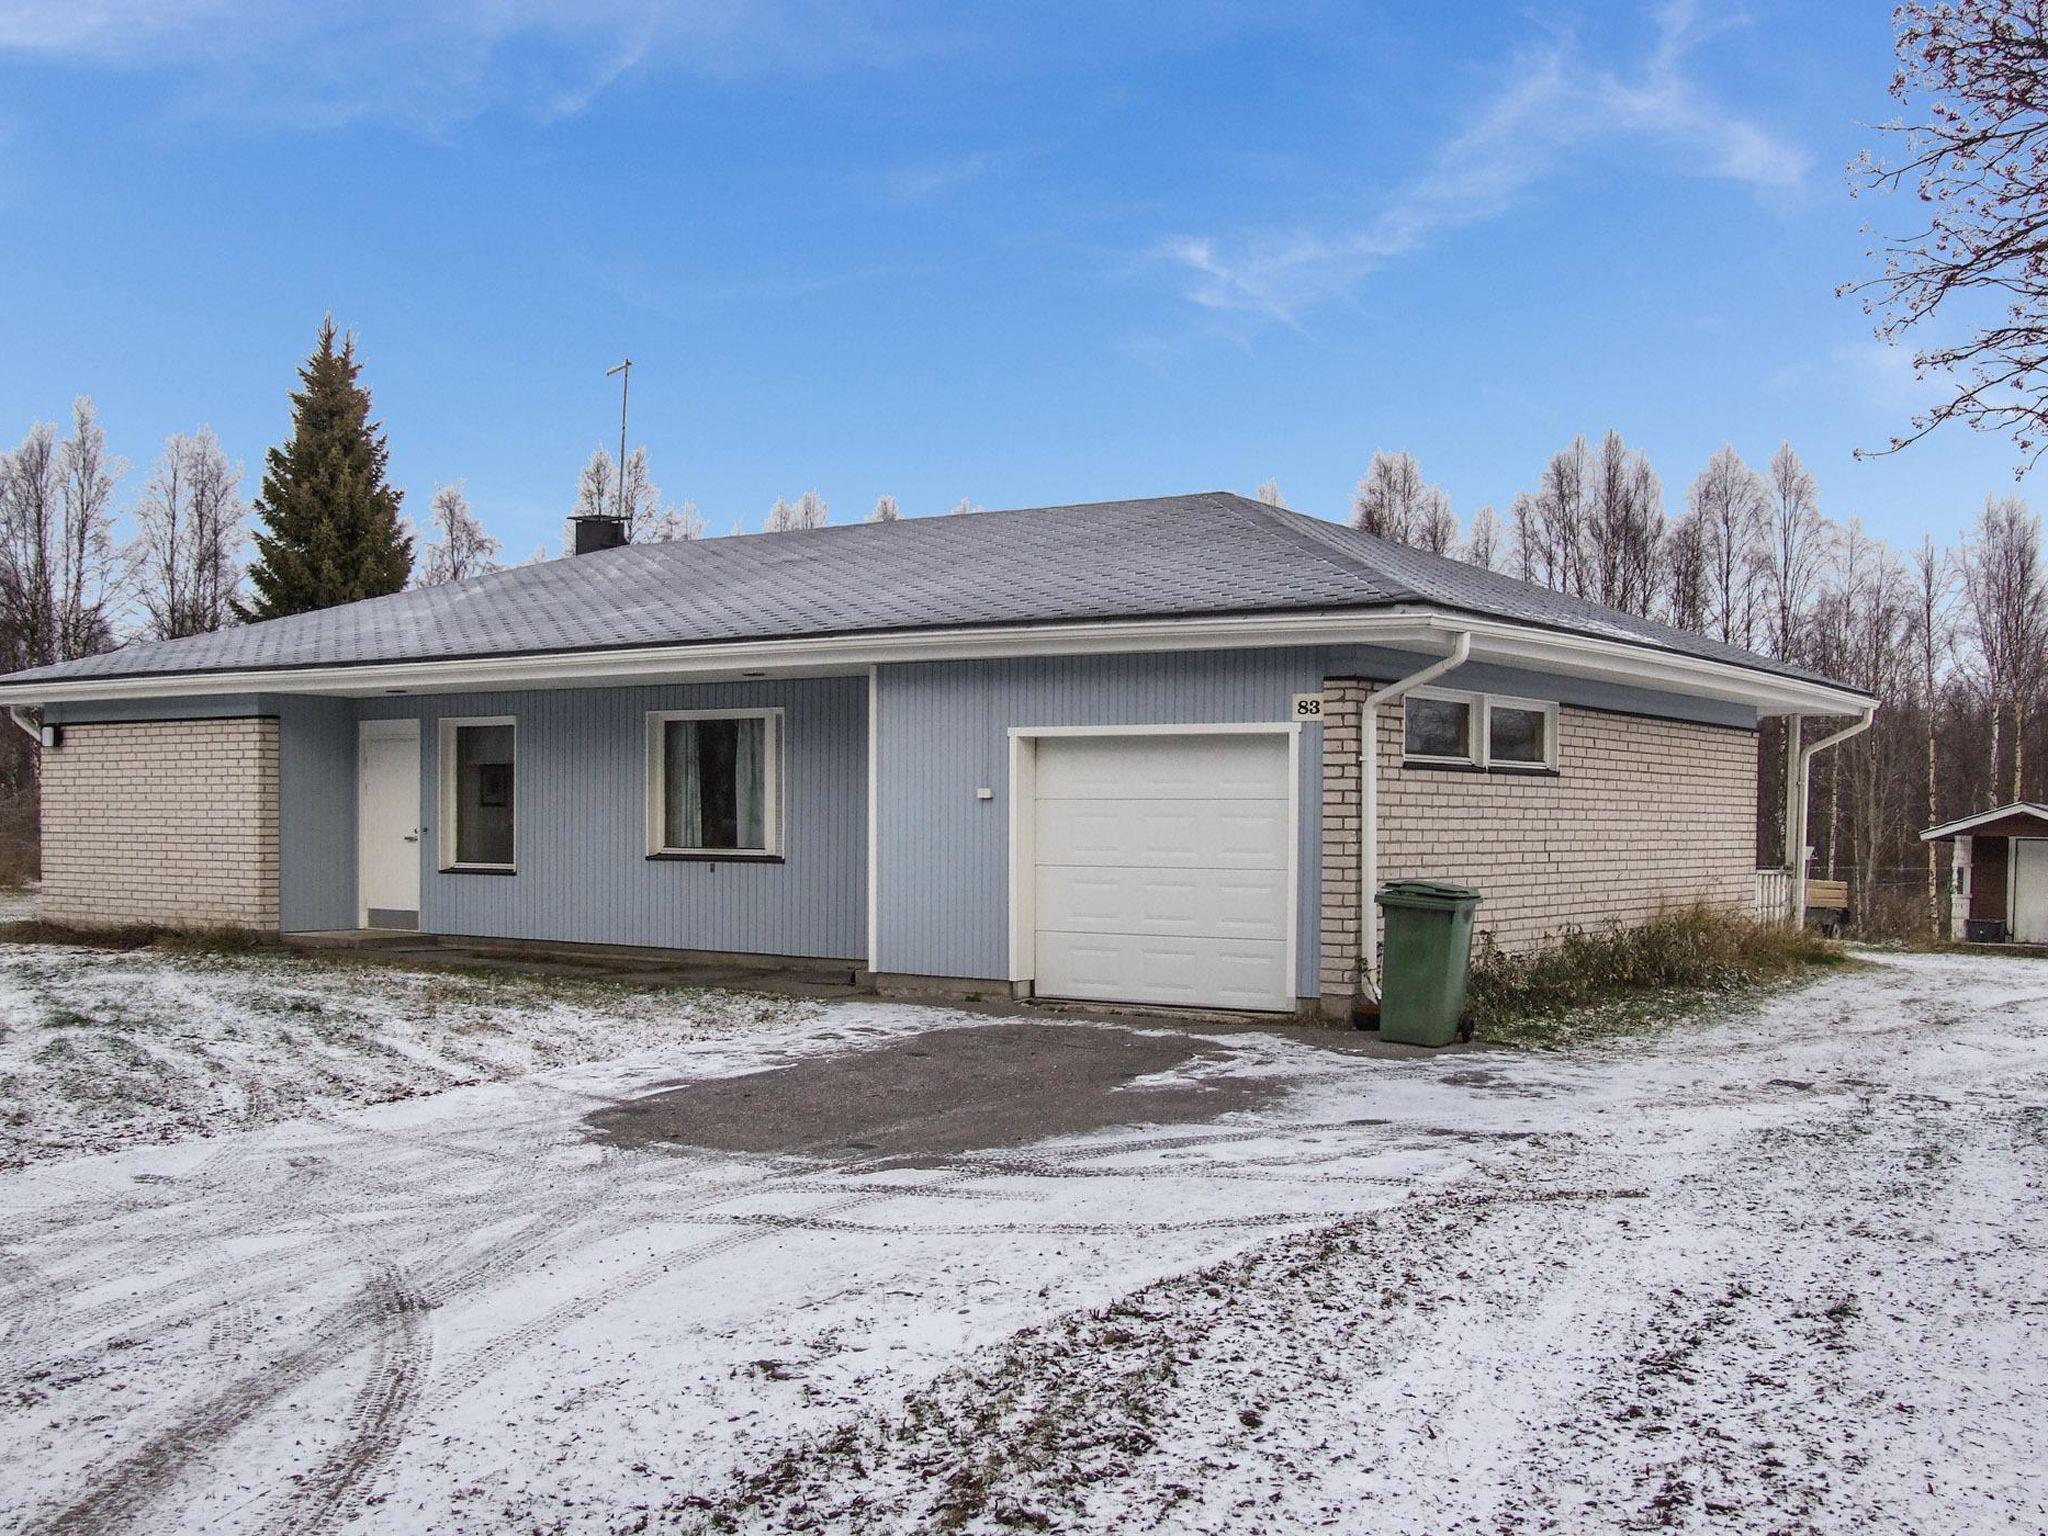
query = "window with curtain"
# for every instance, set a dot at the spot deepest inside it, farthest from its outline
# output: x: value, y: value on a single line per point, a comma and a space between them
x: 719, y: 779
x: 483, y: 794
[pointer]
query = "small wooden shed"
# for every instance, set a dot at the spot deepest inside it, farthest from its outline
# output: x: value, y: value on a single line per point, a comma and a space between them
x: 2000, y: 892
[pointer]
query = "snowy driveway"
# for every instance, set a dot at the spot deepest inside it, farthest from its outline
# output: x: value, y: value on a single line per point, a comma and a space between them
x: 1782, y: 1273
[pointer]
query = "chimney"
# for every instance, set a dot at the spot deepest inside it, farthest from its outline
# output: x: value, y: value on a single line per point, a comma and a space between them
x: 595, y: 533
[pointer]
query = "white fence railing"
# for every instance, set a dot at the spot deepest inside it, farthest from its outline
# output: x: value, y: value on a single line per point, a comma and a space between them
x: 1774, y: 896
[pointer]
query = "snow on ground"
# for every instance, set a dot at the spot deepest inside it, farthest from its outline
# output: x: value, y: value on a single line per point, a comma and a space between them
x: 1780, y: 1273
x: 104, y: 1048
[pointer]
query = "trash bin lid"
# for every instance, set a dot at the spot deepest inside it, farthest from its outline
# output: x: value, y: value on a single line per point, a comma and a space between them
x: 1431, y: 894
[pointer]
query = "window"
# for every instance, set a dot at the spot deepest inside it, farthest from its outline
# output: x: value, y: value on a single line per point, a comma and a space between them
x: 1440, y: 728
x: 1517, y: 735
x: 1480, y: 731
x: 714, y: 784
x: 478, y: 794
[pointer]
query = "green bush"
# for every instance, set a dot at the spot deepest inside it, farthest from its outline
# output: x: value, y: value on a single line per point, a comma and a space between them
x: 1696, y: 948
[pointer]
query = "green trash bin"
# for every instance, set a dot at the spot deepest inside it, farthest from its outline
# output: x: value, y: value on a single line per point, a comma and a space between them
x: 1426, y: 959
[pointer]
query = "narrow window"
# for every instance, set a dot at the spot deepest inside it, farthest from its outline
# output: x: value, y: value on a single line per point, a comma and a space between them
x: 1439, y: 728
x: 717, y: 783
x: 1517, y: 736
x: 478, y: 794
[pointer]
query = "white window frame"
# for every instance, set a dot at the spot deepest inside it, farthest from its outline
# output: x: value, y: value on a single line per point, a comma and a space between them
x: 772, y: 777
x: 1481, y: 707
x: 1475, y: 706
x: 445, y: 738
x: 1543, y: 707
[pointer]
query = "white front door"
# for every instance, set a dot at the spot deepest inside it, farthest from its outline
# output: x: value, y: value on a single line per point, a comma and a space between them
x: 2030, y: 890
x: 1164, y: 869
x: 388, y: 823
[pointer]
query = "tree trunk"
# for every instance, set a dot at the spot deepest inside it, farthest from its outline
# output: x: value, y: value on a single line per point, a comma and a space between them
x: 1997, y: 719
x: 1933, y: 819
x: 1834, y: 807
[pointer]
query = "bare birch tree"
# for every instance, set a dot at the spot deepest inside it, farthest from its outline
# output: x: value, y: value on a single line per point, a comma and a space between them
x: 60, y: 571
x: 31, y: 490
x: 460, y: 548
x: 1971, y: 271
x: 807, y: 511
x: 1551, y: 524
x: 1685, y: 575
x: 190, y: 528
x: 1436, y: 525
x: 1728, y: 500
x: 2002, y: 583
x: 1483, y: 543
x: 1269, y: 493
x: 649, y: 520
x: 1796, y: 548
x: 1934, y: 637
x: 1623, y: 528
x: 886, y: 511
x: 1387, y: 501
x: 89, y: 563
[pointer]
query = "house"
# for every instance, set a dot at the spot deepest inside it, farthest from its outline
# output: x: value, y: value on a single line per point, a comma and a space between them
x: 2000, y: 859
x: 1108, y: 752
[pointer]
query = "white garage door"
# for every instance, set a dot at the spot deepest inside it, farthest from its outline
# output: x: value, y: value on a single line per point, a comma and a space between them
x: 1162, y: 870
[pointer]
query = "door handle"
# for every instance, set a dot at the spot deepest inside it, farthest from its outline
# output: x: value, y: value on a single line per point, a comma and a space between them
x: 412, y: 837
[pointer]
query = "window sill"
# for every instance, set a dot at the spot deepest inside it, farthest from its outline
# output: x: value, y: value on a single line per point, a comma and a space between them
x: 479, y: 869
x: 679, y: 856
x: 1504, y: 770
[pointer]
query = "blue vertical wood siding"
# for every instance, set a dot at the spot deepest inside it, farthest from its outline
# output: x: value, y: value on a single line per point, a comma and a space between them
x: 943, y: 873
x: 580, y: 794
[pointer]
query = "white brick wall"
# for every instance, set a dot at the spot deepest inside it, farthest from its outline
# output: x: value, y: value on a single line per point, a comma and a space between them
x: 1643, y: 814
x: 171, y: 823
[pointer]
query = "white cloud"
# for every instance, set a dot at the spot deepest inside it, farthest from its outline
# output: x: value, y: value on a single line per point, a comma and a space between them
x: 434, y: 62
x: 936, y: 178
x: 1551, y: 105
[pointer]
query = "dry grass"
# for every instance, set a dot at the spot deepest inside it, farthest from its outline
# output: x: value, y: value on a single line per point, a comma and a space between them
x: 1621, y: 980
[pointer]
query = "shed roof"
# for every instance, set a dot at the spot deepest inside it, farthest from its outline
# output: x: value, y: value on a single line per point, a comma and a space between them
x: 2024, y: 814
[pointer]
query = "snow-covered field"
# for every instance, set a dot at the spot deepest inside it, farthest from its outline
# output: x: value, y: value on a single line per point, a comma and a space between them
x: 1781, y: 1273
x: 102, y: 1049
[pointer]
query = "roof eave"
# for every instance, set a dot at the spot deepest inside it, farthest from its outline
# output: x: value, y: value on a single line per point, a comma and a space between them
x: 1405, y: 627
x: 1957, y: 828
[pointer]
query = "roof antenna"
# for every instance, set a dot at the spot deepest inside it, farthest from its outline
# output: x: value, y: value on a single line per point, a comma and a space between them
x: 625, y: 372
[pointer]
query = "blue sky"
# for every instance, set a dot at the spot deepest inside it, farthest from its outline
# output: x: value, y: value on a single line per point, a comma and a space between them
x: 1019, y: 254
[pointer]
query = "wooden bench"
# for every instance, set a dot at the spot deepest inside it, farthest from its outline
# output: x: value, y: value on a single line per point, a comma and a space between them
x: 1827, y: 903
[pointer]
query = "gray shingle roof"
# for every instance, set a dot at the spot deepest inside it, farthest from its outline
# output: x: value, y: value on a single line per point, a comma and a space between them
x: 1211, y: 553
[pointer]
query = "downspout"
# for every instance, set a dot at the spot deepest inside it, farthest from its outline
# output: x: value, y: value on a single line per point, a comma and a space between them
x: 1369, y: 797
x: 35, y: 731
x: 1796, y: 845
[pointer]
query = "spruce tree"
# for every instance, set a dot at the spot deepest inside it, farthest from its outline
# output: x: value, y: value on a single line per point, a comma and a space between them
x: 330, y: 527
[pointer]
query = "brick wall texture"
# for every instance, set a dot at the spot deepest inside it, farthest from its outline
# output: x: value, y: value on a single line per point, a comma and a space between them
x: 172, y: 823
x: 1641, y: 815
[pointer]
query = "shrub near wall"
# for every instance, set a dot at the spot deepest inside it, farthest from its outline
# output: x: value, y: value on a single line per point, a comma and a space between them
x: 1695, y: 949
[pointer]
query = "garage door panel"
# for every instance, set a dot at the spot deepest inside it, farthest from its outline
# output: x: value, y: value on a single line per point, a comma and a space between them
x: 1220, y: 903
x: 1162, y: 870
x: 1173, y: 767
x: 1185, y: 834
x: 1194, y: 973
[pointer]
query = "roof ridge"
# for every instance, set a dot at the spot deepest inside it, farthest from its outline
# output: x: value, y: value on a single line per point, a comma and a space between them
x: 1304, y: 531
